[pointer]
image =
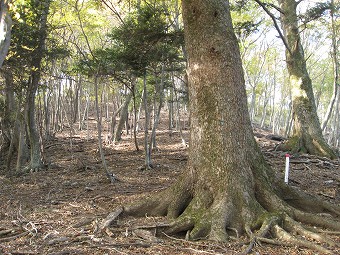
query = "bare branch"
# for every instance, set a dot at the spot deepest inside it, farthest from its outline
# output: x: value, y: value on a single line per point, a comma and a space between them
x: 113, y: 9
x: 275, y: 7
x: 83, y: 31
x: 271, y: 15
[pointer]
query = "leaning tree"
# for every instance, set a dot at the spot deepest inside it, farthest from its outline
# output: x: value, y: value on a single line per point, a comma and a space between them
x: 227, y: 187
x: 307, y: 133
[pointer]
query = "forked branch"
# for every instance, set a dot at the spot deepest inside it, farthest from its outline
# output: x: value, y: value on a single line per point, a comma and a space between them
x: 271, y: 15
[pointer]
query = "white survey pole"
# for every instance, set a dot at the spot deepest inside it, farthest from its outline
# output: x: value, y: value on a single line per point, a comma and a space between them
x: 287, y: 168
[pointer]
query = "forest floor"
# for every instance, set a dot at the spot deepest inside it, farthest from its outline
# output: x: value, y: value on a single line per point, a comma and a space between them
x: 58, y: 211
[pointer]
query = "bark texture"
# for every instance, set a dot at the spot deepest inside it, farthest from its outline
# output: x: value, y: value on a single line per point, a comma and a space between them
x: 307, y: 134
x: 227, y: 188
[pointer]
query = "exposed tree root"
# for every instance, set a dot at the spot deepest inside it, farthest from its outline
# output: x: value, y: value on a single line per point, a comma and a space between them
x: 295, y: 227
x: 30, y: 169
x: 276, y: 216
x: 283, y: 235
x: 299, y: 199
x: 262, y: 232
x: 110, y: 218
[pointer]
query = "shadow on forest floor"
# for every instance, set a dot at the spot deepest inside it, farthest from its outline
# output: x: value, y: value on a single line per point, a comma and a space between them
x: 58, y: 211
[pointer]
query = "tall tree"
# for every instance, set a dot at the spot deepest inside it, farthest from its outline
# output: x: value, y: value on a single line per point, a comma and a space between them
x: 307, y: 134
x: 227, y: 186
x: 33, y: 83
x: 5, y: 30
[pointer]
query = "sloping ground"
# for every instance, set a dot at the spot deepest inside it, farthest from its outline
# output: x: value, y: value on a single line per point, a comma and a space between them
x: 60, y: 210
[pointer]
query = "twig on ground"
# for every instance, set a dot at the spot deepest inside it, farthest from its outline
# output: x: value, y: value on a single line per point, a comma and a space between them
x: 6, y: 231
x: 146, y: 235
x: 10, y: 238
x: 21, y: 252
x: 111, y: 217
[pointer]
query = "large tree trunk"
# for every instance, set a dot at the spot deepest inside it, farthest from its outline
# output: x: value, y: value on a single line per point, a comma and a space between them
x: 227, y: 188
x: 307, y: 135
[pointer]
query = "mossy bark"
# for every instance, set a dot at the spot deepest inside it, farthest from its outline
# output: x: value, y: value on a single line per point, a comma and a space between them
x: 307, y: 134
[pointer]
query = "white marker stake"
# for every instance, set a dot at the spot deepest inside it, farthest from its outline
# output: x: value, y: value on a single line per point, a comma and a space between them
x: 287, y: 168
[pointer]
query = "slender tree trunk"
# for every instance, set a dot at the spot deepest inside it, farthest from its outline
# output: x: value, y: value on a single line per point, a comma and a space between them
x: 171, y: 106
x: 47, y: 114
x: 23, y: 151
x: 307, y: 134
x: 35, y: 146
x: 58, y: 114
x: 5, y: 30
x: 127, y: 125
x: 114, y: 121
x: 122, y: 119
x: 337, y: 123
x: 335, y: 130
x: 14, y: 145
x: 272, y: 114
x: 153, y: 144
x: 148, y: 163
x: 76, y: 103
x: 336, y: 82
x: 139, y: 111
x: 79, y: 106
x: 265, y: 104
x: 134, y: 116
x: 9, y: 110
x: 99, y: 130
x: 87, y: 116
